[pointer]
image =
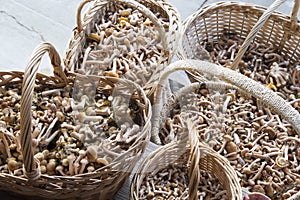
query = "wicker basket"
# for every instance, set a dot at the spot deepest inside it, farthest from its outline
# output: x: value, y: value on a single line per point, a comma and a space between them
x: 217, y: 72
x: 225, y: 113
x: 185, y: 153
x: 144, y: 73
x: 250, y: 24
x: 103, y: 181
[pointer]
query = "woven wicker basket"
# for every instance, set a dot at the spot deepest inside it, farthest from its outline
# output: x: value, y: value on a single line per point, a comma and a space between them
x: 168, y: 26
x: 204, y: 102
x: 103, y: 182
x: 249, y: 23
x: 188, y: 153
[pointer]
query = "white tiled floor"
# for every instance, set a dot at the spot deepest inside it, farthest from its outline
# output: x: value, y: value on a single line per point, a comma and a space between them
x: 26, y: 23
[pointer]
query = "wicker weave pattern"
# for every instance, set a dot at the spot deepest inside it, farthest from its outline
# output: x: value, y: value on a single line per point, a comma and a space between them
x: 174, y: 153
x: 99, y: 7
x: 208, y: 23
x: 102, y: 183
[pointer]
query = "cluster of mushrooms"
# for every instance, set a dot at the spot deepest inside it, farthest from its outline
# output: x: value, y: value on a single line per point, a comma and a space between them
x: 74, y: 132
x: 260, y: 62
x: 124, y: 42
x: 262, y: 147
x: 172, y: 182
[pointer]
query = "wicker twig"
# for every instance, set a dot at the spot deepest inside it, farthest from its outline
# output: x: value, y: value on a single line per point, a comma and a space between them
x: 257, y: 27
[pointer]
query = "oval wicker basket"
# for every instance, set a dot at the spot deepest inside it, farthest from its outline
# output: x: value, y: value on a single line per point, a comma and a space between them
x: 206, y: 33
x: 188, y: 153
x: 28, y: 148
x: 244, y: 115
x: 142, y: 71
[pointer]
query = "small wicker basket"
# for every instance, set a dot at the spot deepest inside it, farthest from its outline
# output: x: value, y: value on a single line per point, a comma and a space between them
x: 189, y: 153
x: 143, y: 72
x: 249, y: 23
x: 103, y: 181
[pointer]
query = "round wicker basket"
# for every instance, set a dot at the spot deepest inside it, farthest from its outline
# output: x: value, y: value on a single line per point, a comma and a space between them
x: 250, y: 24
x: 188, y: 153
x: 140, y: 69
x: 243, y: 115
x: 76, y: 181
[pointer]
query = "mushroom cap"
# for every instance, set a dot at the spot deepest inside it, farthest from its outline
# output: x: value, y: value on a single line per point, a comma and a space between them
x: 92, y: 153
x: 102, y: 161
x: 84, y: 161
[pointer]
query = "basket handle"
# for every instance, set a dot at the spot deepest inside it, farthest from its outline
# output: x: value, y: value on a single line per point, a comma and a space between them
x: 135, y: 5
x: 247, y: 85
x: 265, y: 16
x: 30, y: 164
x: 194, y: 161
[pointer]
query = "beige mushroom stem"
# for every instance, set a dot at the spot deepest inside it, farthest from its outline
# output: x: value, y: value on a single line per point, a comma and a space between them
x: 247, y: 85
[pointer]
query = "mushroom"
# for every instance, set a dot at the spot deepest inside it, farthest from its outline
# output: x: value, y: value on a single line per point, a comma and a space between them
x: 60, y: 169
x: 71, y: 159
x: 80, y: 106
x: 83, y: 162
x: 92, y: 153
x: 86, y: 118
x: 78, y: 136
x: 90, y: 169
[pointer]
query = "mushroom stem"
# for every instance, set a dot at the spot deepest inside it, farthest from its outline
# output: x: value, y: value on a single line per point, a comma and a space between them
x: 83, y: 162
x: 252, y: 180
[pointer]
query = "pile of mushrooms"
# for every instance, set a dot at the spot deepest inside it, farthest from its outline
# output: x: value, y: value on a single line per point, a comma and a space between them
x: 74, y: 131
x: 172, y: 182
x: 260, y: 62
x: 126, y: 43
x: 261, y: 146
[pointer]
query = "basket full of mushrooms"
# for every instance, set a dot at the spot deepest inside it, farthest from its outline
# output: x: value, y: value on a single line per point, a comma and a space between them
x: 124, y: 38
x: 258, y: 42
x: 250, y: 125
x: 185, y: 169
x: 69, y: 136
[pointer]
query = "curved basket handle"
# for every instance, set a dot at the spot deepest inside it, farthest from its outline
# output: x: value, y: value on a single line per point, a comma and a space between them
x: 247, y: 85
x: 135, y: 5
x: 199, y: 150
x: 194, y: 161
x: 30, y: 165
x: 78, y: 15
x: 294, y: 13
x: 265, y: 16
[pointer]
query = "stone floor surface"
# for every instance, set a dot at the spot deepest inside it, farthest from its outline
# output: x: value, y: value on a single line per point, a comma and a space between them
x: 26, y: 23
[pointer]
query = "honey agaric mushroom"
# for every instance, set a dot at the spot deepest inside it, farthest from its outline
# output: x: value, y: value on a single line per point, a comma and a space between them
x: 92, y: 153
x: 60, y: 169
x: 71, y: 159
x: 83, y: 163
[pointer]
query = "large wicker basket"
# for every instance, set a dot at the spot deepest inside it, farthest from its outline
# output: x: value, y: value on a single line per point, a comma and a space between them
x: 186, y: 152
x: 250, y: 24
x: 168, y: 27
x: 103, y: 181
x: 225, y: 114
